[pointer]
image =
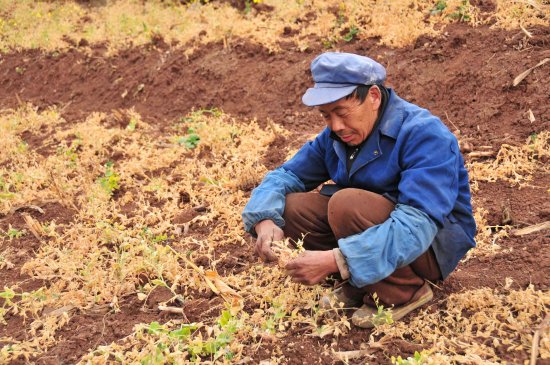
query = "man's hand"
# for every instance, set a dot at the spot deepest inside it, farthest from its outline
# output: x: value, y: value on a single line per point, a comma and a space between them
x: 267, y: 232
x: 312, y: 267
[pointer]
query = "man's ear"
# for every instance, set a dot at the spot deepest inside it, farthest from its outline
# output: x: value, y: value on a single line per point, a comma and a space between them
x: 375, y: 96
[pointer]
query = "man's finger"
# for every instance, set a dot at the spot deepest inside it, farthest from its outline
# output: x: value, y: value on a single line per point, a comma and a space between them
x: 258, y: 248
x: 268, y: 253
x: 263, y: 249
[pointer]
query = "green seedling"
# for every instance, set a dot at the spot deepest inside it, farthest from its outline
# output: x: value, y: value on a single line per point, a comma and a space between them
x: 15, y: 233
x: 440, y: 5
x: 6, y: 195
x: 327, y: 43
x: 22, y: 147
x: 197, y: 347
x: 110, y: 180
x: 351, y: 34
x: 341, y: 19
x: 276, y: 319
x: 8, y: 304
x: 197, y: 114
x: 462, y: 12
x: 217, y: 346
x: 248, y: 5
x: 419, y: 358
x: 191, y: 140
x: 132, y: 125
x: 160, y: 238
x: 383, y: 315
x: 5, y: 192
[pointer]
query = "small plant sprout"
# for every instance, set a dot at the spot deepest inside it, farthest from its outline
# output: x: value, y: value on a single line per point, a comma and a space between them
x: 440, y: 5
x: 191, y: 140
x: 110, y: 180
x: 7, y: 295
x: 353, y: 31
x: 132, y: 125
x: 383, y: 315
x: 462, y: 12
x: 419, y: 358
x: 15, y: 233
x: 5, y: 192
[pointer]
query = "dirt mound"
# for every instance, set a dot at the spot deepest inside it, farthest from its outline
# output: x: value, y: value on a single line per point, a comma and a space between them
x: 464, y: 77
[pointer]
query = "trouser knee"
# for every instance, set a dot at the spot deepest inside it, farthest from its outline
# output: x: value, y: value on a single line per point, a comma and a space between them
x: 352, y: 211
x: 305, y: 218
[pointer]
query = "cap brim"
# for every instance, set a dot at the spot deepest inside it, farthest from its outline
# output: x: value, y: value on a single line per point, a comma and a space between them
x: 324, y: 95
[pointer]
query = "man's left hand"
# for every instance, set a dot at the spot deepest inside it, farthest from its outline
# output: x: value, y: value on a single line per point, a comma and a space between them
x: 312, y: 267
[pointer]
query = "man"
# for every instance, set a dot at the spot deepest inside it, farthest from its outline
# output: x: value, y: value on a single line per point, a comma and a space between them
x: 398, y: 214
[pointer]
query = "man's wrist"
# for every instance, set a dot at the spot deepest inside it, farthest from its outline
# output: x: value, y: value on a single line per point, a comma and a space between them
x: 263, y: 223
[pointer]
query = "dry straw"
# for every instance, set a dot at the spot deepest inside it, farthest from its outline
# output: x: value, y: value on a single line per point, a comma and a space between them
x: 125, y: 230
x: 58, y: 25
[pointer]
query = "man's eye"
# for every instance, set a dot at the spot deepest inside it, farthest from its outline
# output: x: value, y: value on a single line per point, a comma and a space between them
x: 325, y: 116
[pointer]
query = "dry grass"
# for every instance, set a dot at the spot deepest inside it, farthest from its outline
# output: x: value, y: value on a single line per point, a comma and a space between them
x: 55, y: 25
x: 515, y: 164
x: 97, y: 260
x: 476, y: 325
x: 487, y: 237
x: 516, y: 13
x: 125, y: 229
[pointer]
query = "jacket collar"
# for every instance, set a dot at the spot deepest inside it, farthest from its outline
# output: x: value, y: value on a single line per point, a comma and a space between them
x: 392, y: 120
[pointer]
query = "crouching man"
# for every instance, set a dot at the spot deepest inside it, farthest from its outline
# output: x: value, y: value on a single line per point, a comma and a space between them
x: 397, y: 213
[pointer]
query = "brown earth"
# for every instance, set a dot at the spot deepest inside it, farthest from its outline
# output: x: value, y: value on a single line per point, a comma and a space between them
x: 464, y: 77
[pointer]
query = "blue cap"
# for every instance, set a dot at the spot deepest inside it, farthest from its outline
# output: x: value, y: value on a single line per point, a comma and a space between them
x: 337, y: 75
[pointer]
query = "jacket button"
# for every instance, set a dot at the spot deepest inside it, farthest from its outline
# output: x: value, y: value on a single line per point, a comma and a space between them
x: 376, y: 152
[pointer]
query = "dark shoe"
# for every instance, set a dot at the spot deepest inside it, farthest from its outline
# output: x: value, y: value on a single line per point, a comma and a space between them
x: 367, y: 317
x: 337, y: 299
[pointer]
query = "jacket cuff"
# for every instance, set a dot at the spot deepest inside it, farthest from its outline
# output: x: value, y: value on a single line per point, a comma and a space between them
x: 342, y: 264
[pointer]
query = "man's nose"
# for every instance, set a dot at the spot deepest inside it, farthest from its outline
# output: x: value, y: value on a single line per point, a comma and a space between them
x: 336, y: 124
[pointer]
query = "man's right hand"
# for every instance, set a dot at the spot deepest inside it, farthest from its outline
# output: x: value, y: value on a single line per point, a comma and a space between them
x: 267, y: 232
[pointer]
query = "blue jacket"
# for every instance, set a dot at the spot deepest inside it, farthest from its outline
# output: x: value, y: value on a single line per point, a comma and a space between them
x: 410, y: 157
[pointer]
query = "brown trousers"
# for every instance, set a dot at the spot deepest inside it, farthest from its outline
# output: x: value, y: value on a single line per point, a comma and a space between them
x: 347, y: 212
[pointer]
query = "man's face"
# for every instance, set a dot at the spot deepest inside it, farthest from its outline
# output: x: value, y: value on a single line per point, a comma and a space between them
x: 349, y: 119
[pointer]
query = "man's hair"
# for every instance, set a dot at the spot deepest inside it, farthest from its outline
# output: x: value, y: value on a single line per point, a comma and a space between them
x: 360, y: 93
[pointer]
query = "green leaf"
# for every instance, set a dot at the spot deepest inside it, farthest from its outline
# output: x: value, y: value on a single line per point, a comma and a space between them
x: 7, y: 195
x: 132, y: 125
x: 159, y: 282
x: 155, y: 328
x: 225, y: 318
x: 183, y: 332
x: 190, y: 141
x: 351, y: 34
x: 7, y: 293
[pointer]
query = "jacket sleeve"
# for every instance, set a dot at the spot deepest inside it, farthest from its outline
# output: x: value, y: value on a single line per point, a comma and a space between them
x: 268, y: 199
x: 375, y: 253
x: 303, y: 172
x: 428, y: 189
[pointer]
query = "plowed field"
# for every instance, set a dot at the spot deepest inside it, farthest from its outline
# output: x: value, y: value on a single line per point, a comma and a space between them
x: 123, y: 174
